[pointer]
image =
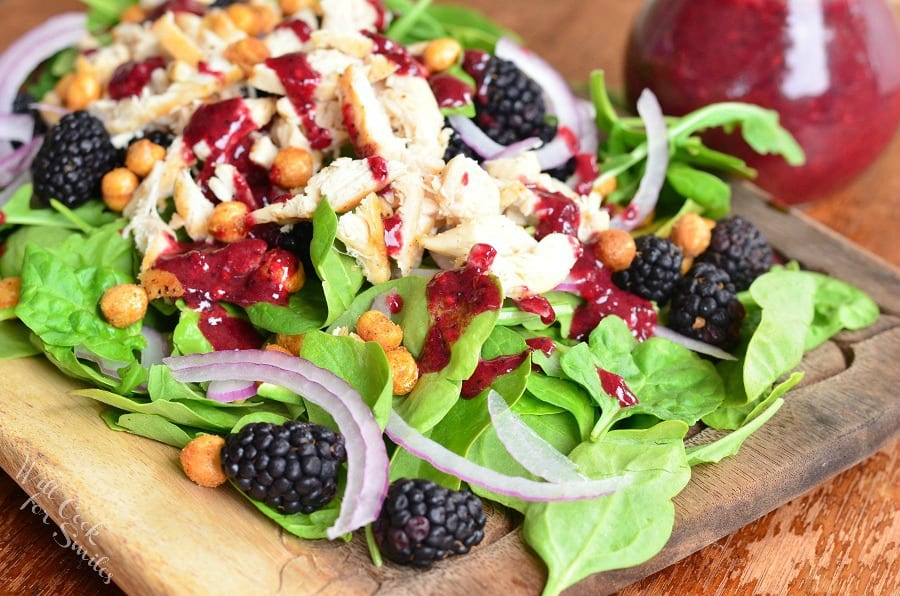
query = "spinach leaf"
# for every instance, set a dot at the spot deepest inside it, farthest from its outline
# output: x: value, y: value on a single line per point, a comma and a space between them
x: 579, y: 538
x: 306, y: 310
x: 777, y: 345
x: 468, y: 418
x: 341, y: 276
x: 153, y: 426
x: 47, y: 236
x: 437, y: 392
x: 15, y: 341
x: 413, y: 317
x: 60, y: 304
x: 670, y: 381
x: 566, y: 395
x: 187, y: 338
x: 200, y: 415
x: 362, y: 364
x: 730, y: 443
x: 837, y: 306
x: 734, y: 417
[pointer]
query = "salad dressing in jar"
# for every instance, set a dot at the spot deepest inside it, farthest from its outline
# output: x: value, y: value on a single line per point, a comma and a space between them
x: 830, y: 68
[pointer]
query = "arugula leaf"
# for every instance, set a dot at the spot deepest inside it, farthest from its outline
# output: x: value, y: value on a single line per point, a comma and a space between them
x: 579, y: 538
x: 424, y: 21
x: 709, y: 191
x: 340, y: 274
x: 624, y: 151
x: 18, y: 211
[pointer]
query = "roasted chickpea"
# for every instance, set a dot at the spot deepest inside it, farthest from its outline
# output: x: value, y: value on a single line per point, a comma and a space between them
x: 606, y: 187
x: 376, y: 326
x: 142, y: 155
x: 117, y: 187
x: 244, y: 18
x: 404, y: 370
x: 228, y: 222
x: 201, y: 460
x: 277, y: 348
x: 615, y: 249
x: 82, y: 91
x: 692, y: 234
x: 289, y: 7
x: 292, y: 168
x: 247, y: 52
x: 441, y: 54
x: 133, y: 14
x: 291, y: 343
x: 62, y: 86
x: 161, y: 284
x: 124, y: 304
x: 266, y: 18
x: 9, y: 291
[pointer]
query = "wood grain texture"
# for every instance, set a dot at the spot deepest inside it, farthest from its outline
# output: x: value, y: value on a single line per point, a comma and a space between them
x: 841, y: 537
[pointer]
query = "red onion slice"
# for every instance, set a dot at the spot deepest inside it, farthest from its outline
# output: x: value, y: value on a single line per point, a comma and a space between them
x: 527, y: 447
x: 651, y: 183
x: 518, y: 148
x: 157, y: 347
x: 367, y: 460
x: 692, y: 344
x: 521, y: 488
x: 16, y: 127
x: 40, y: 43
x: 108, y: 367
x: 474, y: 137
x: 7, y: 193
x: 229, y: 391
x: 563, y: 103
x: 16, y: 163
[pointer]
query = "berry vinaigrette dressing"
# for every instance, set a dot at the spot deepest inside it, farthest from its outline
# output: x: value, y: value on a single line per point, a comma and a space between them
x: 831, y: 68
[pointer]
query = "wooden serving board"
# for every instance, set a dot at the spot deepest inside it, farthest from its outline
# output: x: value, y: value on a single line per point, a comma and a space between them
x: 125, y: 502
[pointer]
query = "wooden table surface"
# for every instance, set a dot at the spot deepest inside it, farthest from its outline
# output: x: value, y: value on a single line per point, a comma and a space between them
x: 841, y: 537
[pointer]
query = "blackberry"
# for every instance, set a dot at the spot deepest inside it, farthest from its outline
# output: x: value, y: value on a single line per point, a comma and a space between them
x: 510, y: 105
x: 654, y: 271
x: 422, y: 522
x: 21, y: 105
x: 75, y: 155
x: 456, y: 146
x: 159, y: 137
x: 740, y: 249
x: 290, y: 467
x: 705, y: 307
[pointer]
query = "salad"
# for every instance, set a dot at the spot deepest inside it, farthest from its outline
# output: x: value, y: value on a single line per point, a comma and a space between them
x: 374, y: 262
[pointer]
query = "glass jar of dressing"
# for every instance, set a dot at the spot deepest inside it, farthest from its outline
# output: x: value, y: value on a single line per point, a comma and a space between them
x: 831, y: 68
